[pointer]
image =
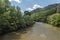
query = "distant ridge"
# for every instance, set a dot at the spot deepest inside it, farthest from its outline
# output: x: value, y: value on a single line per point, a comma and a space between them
x: 57, y: 5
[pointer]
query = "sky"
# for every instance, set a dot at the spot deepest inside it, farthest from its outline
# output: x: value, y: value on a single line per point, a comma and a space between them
x: 32, y: 4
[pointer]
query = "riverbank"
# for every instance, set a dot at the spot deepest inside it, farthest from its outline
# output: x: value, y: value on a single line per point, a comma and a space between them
x: 39, y: 31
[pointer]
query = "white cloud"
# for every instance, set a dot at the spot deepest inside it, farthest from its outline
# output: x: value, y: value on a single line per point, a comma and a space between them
x: 34, y: 7
x: 18, y: 1
x: 10, y: 0
x: 29, y: 9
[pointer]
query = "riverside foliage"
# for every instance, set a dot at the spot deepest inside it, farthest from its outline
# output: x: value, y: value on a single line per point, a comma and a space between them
x: 47, y: 16
x: 11, y: 18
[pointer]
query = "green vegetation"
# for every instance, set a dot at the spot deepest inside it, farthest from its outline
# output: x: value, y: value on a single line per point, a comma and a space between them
x: 42, y: 15
x: 47, y: 16
x: 54, y: 19
x: 11, y: 18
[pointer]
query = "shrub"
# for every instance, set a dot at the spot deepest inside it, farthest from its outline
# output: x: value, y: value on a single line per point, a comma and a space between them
x: 54, y: 19
x: 28, y: 20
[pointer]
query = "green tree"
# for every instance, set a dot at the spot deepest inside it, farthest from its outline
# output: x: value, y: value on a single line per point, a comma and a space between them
x: 54, y: 19
x: 27, y: 13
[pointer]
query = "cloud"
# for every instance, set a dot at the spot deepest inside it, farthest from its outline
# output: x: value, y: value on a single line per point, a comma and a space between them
x: 18, y: 1
x: 29, y: 9
x: 10, y: 0
x: 35, y: 6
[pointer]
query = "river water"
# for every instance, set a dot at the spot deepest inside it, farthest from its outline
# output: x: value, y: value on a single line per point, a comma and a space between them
x: 39, y: 31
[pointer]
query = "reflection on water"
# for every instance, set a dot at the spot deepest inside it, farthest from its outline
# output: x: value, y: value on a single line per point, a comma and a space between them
x: 39, y: 31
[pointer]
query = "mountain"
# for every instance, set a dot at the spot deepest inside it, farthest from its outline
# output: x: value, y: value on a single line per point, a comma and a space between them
x: 36, y: 10
x: 51, y: 6
x: 45, y: 8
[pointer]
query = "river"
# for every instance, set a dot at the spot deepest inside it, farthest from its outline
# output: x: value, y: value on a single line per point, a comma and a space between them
x: 39, y: 31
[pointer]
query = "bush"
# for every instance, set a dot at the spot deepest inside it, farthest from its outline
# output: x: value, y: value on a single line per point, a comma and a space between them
x: 54, y: 19
x: 28, y: 20
x: 11, y: 18
x: 38, y: 17
x: 35, y: 17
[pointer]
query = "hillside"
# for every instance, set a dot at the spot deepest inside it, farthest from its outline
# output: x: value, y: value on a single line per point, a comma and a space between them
x: 51, y: 6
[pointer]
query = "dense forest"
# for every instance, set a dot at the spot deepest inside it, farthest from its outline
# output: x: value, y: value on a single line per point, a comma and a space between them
x: 11, y: 18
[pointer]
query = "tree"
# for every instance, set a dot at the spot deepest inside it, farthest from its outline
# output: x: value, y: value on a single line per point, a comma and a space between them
x: 54, y: 19
x: 27, y: 13
x: 4, y: 4
x: 11, y: 18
